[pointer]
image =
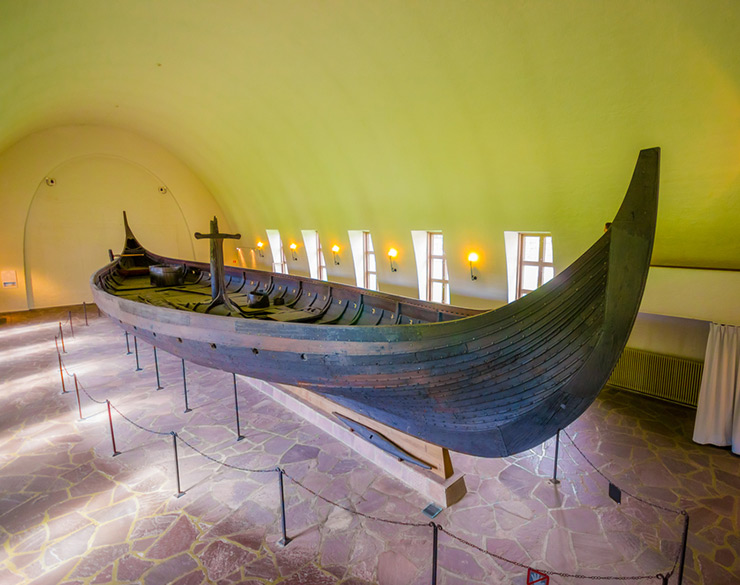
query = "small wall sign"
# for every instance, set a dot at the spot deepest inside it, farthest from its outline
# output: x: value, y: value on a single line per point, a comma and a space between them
x: 9, y: 278
x: 537, y: 577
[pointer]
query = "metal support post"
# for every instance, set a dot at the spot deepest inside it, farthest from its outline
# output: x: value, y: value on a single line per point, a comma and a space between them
x: 555, y: 479
x: 61, y: 371
x: 128, y: 347
x: 136, y: 352
x: 185, y: 387
x: 284, y: 540
x: 156, y: 369
x: 239, y: 435
x: 683, y: 547
x: 77, y: 391
x: 112, y: 435
x: 84, y: 310
x: 61, y: 337
x: 180, y: 493
x: 435, y: 538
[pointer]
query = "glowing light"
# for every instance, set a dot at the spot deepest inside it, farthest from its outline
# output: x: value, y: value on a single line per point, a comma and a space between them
x: 293, y: 246
x: 392, y: 253
x: 335, y: 248
x: 260, y: 245
x: 472, y: 257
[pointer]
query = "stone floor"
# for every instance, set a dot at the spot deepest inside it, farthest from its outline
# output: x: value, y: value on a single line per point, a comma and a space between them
x: 71, y: 513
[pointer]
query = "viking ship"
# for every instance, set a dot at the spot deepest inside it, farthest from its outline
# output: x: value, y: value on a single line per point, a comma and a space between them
x: 488, y: 383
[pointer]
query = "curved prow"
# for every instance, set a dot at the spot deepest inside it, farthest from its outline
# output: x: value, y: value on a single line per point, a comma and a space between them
x: 639, y: 209
x: 133, y: 259
x: 132, y: 245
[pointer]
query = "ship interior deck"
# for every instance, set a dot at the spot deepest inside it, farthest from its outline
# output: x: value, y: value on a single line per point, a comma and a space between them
x: 288, y: 301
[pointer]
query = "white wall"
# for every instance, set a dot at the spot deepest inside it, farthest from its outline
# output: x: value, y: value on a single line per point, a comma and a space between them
x: 55, y: 236
x: 708, y: 295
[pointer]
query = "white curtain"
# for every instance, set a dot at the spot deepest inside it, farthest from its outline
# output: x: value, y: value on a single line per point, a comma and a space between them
x: 718, y: 410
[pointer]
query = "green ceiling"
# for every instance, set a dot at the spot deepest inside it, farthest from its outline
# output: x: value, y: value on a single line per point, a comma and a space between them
x: 471, y: 117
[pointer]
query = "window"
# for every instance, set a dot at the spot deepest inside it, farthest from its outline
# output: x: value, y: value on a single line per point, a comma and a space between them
x: 438, y: 280
x: 431, y: 266
x: 370, y: 269
x: 534, y: 266
x: 315, y: 254
x: 279, y: 263
x: 363, y: 255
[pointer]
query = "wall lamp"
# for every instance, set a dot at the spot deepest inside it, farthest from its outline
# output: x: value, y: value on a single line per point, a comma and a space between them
x: 392, y: 253
x: 260, y: 245
x: 293, y: 248
x: 335, y: 252
x: 472, y: 257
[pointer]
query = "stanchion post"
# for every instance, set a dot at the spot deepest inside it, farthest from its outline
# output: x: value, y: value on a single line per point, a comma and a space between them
x: 112, y: 435
x: 555, y: 479
x: 136, y: 352
x: 61, y: 371
x: 128, y: 347
x: 180, y: 493
x: 684, y: 539
x: 284, y: 540
x: 61, y: 337
x: 77, y: 391
x: 84, y: 310
x: 156, y: 369
x: 435, y: 539
x: 239, y: 435
x: 185, y: 387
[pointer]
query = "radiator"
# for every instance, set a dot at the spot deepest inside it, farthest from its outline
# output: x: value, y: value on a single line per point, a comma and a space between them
x: 661, y: 376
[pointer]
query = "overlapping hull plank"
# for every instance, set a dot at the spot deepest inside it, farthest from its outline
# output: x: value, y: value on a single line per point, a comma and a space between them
x: 487, y: 383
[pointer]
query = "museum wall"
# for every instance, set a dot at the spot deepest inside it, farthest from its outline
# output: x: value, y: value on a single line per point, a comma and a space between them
x: 62, y: 193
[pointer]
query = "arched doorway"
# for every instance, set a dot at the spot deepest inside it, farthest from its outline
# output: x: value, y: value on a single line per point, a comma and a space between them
x: 76, y: 216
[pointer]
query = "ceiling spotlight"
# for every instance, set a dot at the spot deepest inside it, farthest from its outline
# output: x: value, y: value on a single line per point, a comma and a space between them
x: 293, y: 247
x: 260, y: 245
x: 335, y: 252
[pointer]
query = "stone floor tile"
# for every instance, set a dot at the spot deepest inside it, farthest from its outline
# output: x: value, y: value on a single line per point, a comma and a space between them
x: 220, y: 558
x: 178, y: 538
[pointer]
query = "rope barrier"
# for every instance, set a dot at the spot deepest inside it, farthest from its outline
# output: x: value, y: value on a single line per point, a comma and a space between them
x: 88, y: 394
x: 631, y: 495
x: 161, y: 433
x: 548, y: 571
x: 662, y: 576
x: 224, y: 463
x: 350, y: 510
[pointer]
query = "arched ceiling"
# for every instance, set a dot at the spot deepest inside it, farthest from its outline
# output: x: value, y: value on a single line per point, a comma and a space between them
x: 473, y: 117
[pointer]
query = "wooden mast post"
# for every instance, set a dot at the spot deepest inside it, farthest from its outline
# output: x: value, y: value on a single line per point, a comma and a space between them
x: 218, y: 279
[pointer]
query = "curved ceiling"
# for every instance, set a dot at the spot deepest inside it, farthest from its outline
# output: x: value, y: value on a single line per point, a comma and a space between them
x: 471, y: 117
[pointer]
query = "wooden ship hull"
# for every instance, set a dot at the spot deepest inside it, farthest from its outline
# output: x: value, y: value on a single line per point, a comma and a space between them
x: 487, y: 383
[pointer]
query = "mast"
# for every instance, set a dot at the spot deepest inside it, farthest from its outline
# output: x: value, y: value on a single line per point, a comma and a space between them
x: 218, y: 278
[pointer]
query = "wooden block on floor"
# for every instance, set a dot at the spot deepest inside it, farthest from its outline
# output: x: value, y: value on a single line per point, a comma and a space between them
x: 443, y: 485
